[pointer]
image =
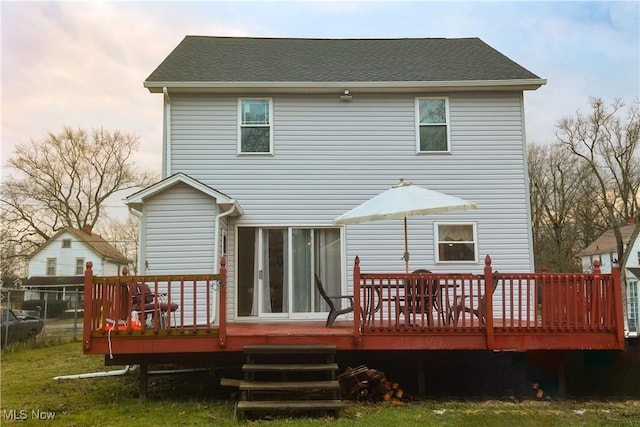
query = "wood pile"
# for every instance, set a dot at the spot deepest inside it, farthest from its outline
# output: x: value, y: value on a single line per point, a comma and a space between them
x: 369, y: 385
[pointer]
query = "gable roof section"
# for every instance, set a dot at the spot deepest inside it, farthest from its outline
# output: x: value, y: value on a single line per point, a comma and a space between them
x: 200, y: 62
x: 136, y: 200
x: 94, y: 241
x: 607, y: 241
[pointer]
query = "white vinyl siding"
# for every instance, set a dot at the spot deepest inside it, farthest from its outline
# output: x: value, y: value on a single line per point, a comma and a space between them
x: 179, y: 238
x: 331, y: 156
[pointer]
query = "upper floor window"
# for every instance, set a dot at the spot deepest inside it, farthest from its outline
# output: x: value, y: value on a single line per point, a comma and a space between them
x: 456, y: 242
x: 66, y: 243
x: 79, y: 266
x: 51, y: 266
x: 432, y: 125
x: 255, y: 134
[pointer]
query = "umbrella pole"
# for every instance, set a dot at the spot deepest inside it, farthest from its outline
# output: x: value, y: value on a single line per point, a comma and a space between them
x: 406, y: 247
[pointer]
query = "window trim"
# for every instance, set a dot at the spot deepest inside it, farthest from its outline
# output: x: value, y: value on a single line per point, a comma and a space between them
x: 55, y: 262
x: 79, y: 263
x: 240, y: 126
x: 447, y: 124
x: 436, y: 240
x: 66, y: 243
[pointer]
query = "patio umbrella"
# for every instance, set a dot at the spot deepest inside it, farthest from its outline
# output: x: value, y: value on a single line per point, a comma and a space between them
x: 400, y: 202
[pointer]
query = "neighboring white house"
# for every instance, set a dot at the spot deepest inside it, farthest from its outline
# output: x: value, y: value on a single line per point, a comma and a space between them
x: 266, y: 141
x: 57, y: 267
x: 604, y: 249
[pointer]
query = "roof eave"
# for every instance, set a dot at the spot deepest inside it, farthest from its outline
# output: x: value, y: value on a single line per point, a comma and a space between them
x: 336, y: 87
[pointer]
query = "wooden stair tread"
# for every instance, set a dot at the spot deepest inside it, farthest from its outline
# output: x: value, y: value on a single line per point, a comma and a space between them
x: 290, y: 404
x: 290, y: 367
x: 289, y: 385
x: 289, y: 349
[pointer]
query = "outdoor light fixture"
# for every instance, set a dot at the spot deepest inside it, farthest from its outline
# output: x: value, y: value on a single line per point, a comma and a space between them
x: 346, y: 97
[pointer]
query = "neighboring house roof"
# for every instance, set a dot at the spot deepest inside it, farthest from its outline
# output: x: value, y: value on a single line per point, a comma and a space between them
x: 201, y: 62
x: 137, y: 199
x: 635, y: 271
x: 93, y: 241
x: 606, y: 243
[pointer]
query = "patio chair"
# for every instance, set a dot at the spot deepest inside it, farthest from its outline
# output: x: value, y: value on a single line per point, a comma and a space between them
x: 333, y: 311
x: 415, y: 293
x: 145, y: 303
x: 462, y: 304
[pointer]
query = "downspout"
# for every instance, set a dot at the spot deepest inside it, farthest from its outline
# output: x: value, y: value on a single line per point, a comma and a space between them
x: 216, y: 236
x: 115, y: 373
x: 138, y: 215
x: 166, y: 137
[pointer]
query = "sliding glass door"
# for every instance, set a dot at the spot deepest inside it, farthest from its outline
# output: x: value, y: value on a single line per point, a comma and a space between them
x: 277, y: 268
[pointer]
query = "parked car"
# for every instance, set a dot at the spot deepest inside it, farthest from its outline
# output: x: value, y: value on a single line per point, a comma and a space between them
x: 17, y: 329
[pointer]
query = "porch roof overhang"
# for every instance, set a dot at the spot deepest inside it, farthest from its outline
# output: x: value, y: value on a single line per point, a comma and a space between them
x: 53, y: 281
x: 136, y: 200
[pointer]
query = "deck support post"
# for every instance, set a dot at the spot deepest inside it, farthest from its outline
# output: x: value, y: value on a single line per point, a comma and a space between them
x: 142, y: 381
x: 422, y: 389
x: 562, y: 376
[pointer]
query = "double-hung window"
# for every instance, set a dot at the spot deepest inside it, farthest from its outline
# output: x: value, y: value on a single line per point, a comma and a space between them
x: 79, y: 266
x: 432, y: 125
x: 255, y: 133
x: 456, y: 242
x: 51, y: 266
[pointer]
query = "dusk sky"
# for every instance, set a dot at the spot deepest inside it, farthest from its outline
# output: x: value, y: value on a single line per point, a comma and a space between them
x: 82, y: 64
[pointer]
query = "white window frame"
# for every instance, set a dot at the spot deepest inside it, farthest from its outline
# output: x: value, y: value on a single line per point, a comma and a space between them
x: 79, y: 266
x: 436, y: 240
x: 51, y: 265
x: 632, y: 305
x: 269, y: 125
x: 447, y: 124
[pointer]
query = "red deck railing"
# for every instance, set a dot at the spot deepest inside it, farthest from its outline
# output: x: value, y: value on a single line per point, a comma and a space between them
x: 154, y: 305
x: 492, y: 310
x: 489, y: 303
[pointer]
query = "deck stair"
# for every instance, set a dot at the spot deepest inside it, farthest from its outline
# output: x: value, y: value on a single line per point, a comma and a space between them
x: 289, y: 378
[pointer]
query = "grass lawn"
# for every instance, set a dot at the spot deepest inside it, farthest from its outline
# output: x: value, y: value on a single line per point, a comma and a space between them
x: 28, y: 391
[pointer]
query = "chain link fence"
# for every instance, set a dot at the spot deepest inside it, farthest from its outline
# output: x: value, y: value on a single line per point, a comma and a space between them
x: 60, y: 310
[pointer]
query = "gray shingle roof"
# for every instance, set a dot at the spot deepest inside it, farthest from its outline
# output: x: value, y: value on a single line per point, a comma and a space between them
x: 242, y: 59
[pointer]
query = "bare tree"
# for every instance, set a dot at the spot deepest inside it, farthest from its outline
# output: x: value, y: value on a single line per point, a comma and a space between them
x: 558, y: 187
x: 123, y: 235
x: 64, y: 179
x: 607, y: 144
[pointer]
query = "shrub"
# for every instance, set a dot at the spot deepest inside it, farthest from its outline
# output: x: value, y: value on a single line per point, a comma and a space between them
x: 55, y: 308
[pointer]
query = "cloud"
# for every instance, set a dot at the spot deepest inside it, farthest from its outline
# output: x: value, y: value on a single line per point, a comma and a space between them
x: 83, y: 63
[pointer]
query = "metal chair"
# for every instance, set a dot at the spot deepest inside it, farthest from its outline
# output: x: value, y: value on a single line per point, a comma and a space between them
x: 333, y: 311
x: 147, y: 304
x: 480, y: 310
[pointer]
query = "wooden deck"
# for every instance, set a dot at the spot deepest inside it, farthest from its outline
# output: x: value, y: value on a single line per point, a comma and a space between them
x: 529, y: 312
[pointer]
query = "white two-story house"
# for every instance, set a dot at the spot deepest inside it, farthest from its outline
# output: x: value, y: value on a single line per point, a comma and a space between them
x: 267, y: 140
x: 57, y: 266
x: 604, y: 249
